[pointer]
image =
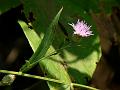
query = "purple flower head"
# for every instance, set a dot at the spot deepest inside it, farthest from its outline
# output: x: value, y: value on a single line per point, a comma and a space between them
x: 81, y: 28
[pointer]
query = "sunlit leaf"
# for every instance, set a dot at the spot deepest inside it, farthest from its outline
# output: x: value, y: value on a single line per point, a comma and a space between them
x: 32, y: 36
x: 52, y: 69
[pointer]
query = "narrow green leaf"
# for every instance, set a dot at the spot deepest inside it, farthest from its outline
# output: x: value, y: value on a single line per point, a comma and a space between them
x: 44, y: 45
x: 53, y: 69
x: 32, y: 36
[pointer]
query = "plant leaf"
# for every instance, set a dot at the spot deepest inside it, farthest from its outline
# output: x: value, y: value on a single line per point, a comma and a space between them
x: 32, y: 36
x: 53, y: 69
x: 44, y: 45
x: 83, y: 53
x: 6, y: 5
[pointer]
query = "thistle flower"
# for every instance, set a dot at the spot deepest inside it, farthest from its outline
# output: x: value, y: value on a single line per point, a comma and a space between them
x: 81, y: 28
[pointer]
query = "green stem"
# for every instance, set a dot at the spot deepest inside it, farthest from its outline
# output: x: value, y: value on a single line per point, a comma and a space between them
x: 46, y: 79
x: 84, y: 86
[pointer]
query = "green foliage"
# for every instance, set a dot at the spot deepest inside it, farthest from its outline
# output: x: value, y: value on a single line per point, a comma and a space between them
x: 83, y: 53
x: 32, y: 36
x: 63, y: 54
x: 51, y: 68
x: 45, y: 43
x: 80, y: 57
x: 39, y: 8
x: 5, y: 5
